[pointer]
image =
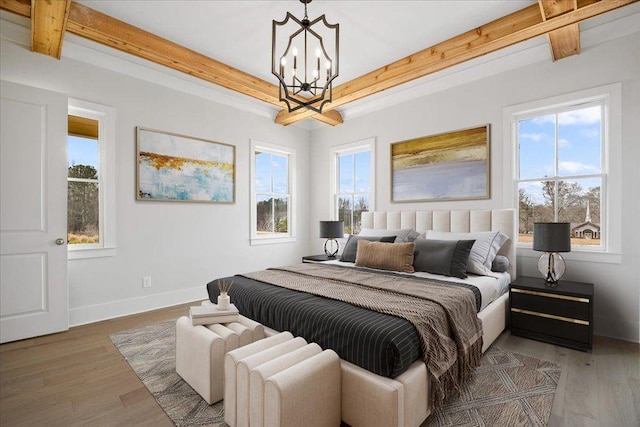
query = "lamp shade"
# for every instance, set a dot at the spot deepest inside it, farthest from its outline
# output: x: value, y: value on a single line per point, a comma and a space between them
x: 552, y: 236
x: 331, y: 229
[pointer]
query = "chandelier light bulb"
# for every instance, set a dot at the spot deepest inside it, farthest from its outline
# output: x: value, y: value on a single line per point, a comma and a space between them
x: 283, y: 61
x: 328, y: 65
x: 318, y: 52
x: 295, y: 51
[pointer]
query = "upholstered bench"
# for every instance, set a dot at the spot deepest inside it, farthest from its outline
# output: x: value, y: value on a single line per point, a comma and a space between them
x: 200, y: 352
x: 282, y: 381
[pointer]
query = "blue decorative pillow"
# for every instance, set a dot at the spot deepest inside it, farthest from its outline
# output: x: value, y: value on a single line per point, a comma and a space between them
x: 500, y: 264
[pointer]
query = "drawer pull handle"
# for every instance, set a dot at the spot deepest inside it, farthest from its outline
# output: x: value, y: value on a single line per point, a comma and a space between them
x: 545, y: 294
x: 551, y: 316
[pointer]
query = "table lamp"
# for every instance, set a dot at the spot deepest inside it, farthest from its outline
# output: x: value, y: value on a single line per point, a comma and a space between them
x: 551, y: 238
x: 331, y: 230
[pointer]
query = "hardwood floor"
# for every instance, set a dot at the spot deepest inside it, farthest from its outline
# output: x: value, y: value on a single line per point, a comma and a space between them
x: 79, y: 378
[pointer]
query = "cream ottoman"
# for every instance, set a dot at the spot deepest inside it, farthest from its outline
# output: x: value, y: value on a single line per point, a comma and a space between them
x: 305, y: 394
x: 231, y: 403
x: 200, y: 352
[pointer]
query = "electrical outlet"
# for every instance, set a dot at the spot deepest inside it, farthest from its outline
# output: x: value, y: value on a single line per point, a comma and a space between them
x: 146, y: 282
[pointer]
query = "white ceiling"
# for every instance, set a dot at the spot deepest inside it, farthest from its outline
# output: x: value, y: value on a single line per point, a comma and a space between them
x: 372, y: 33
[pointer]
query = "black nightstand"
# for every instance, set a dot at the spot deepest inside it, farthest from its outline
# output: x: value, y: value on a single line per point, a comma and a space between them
x: 561, y: 315
x: 317, y: 258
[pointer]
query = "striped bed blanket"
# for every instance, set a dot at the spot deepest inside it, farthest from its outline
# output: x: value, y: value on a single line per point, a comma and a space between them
x: 444, y: 316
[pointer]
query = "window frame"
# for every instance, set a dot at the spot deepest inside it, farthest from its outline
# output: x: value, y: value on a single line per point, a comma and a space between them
x: 611, y: 162
x: 369, y: 145
x: 291, y: 208
x: 106, y: 180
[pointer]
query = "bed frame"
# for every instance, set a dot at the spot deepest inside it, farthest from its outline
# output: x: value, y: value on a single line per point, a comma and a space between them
x: 372, y: 400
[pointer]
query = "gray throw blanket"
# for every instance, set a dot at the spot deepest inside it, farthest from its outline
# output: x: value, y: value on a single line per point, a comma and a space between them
x: 444, y: 316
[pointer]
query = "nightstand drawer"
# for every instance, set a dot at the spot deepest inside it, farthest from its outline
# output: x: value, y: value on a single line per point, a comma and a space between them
x: 559, y: 305
x: 563, y: 329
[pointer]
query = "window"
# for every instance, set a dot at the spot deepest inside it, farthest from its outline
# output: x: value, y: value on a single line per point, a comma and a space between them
x: 272, y: 202
x: 90, y: 196
x: 563, y: 168
x: 354, y: 179
x: 83, y: 192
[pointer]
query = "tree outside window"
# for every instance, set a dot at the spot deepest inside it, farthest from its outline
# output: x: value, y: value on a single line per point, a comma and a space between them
x: 354, y: 188
x: 272, y: 193
x: 83, y: 193
x: 560, y: 172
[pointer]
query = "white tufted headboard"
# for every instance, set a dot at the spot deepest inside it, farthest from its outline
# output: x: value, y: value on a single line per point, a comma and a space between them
x: 461, y: 221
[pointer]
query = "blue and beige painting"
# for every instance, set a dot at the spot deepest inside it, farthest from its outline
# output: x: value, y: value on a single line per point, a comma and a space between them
x: 440, y: 167
x: 180, y: 168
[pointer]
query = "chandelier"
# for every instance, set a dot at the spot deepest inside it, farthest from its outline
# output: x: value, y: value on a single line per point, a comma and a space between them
x: 304, y: 67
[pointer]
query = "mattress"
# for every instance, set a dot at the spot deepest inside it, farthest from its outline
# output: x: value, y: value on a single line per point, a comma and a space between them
x: 383, y: 344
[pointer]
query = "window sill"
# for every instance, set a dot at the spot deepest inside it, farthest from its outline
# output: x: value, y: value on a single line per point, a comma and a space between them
x: 576, y: 255
x: 82, y: 253
x: 256, y: 241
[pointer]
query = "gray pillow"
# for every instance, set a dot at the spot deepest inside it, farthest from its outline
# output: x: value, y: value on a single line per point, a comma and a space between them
x: 484, y: 251
x: 500, y: 264
x: 446, y: 257
x: 402, y: 235
x: 351, y: 248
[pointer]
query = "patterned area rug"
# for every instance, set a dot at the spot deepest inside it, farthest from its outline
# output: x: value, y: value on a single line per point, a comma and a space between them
x: 508, y: 389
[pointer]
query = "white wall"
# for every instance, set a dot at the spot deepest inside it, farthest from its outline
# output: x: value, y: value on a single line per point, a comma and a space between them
x: 182, y: 246
x: 617, y: 286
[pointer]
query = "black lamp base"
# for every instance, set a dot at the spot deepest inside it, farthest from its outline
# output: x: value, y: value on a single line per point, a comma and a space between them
x: 331, y: 253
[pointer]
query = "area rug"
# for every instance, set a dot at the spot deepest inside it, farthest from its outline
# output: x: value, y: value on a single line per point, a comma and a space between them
x: 508, y: 389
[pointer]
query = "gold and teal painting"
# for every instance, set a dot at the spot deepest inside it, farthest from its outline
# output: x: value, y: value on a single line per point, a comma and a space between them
x: 181, y: 168
x: 448, y: 166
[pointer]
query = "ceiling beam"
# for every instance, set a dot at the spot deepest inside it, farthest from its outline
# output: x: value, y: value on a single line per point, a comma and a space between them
x: 19, y: 7
x: 48, y: 24
x: 519, y: 26
x: 563, y: 41
x: 98, y: 27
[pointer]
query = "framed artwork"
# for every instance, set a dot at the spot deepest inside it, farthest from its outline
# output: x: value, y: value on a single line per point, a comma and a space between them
x: 448, y: 166
x: 173, y: 167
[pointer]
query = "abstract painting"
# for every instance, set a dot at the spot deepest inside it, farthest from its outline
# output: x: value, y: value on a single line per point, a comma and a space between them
x: 181, y: 168
x: 448, y: 166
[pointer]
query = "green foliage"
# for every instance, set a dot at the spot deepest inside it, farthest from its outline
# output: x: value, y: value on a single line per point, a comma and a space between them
x: 83, y: 206
x: 571, y: 206
x: 272, y: 216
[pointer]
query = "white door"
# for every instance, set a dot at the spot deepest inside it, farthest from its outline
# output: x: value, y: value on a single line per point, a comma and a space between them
x: 33, y: 212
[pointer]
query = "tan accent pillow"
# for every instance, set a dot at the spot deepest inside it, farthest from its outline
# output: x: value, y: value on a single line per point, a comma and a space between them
x: 385, y: 256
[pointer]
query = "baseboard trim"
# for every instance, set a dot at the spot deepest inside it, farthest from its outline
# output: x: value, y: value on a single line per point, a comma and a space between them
x: 617, y: 328
x: 113, y: 309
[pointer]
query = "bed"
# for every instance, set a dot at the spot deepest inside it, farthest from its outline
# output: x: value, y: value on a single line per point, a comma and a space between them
x: 390, y: 386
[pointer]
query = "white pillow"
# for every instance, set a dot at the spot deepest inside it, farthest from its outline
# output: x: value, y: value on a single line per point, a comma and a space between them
x: 484, y: 250
x: 402, y: 235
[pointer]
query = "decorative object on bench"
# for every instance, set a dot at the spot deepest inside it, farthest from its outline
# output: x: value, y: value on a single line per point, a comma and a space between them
x: 200, y: 351
x: 210, y: 314
x: 551, y: 238
x: 331, y: 230
x: 224, y: 287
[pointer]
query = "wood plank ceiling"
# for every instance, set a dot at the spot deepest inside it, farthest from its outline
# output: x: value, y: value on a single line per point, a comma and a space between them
x: 558, y: 19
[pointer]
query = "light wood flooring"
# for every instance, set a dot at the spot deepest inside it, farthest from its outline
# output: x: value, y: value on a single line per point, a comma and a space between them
x: 79, y: 378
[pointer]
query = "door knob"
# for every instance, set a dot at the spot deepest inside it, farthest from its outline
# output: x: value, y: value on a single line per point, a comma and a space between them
x: 59, y: 242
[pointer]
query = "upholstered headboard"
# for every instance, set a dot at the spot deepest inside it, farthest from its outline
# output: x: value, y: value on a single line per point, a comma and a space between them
x: 461, y: 221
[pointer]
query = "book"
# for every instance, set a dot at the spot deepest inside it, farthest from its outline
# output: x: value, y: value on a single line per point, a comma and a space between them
x: 210, y: 314
x: 211, y: 310
x: 210, y: 320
